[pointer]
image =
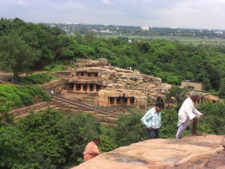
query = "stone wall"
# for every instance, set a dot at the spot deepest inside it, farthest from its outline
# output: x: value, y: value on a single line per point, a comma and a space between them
x: 192, y: 85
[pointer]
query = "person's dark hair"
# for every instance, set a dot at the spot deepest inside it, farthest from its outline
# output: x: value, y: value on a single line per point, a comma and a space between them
x: 159, y: 102
x: 97, y: 139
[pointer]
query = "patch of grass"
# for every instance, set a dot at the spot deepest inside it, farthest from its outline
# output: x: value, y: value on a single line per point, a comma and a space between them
x: 56, y: 67
x: 38, y: 78
x: 181, y: 39
x: 12, y: 96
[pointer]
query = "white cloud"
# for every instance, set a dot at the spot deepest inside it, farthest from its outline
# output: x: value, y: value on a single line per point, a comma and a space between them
x: 20, y: 1
x: 107, y: 2
x: 163, y: 13
x: 194, y: 14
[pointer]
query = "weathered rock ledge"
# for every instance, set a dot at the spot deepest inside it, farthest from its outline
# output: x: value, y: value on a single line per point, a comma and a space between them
x: 192, y: 152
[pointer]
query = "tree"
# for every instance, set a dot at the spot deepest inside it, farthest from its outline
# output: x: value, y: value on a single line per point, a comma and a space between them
x: 177, y: 94
x: 16, y: 55
x: 15, y: 152
x: 222, y: 88
x: 129, y: 129
x: 213, y: 118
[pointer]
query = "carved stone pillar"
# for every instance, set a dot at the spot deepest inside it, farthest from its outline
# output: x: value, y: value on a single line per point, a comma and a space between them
x: 81, y: 87
x: 95, y: 88
x: 128, y: 101
x: 74, y: 87
x: 88, y: 87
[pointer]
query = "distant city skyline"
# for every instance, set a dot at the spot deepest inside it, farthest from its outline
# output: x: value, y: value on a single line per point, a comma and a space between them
x: 197, y: 14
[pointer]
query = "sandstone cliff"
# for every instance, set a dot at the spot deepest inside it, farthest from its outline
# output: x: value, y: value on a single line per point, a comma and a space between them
x: 193, y: 152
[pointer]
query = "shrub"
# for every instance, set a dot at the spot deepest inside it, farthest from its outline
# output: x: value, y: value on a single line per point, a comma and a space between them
x: 129, y: 129
x: 42, y: 131
x: 169, y: 123
x: 213, y: 118
x: 39, y: 78
x: 12, y: 96
x: 56, y: 67
x: 78, y: 131
x: 15, y: 152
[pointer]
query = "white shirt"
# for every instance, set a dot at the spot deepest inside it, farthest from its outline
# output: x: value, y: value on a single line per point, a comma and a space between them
x: 187, y: 112
x: 152, y: 119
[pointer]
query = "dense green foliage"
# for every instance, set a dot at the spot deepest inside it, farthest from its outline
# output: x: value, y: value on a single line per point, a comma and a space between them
x: 129, y: 129
x: 213, y: 117
x: 38, y: 78
x: 52, y: 140
x: 169, y: 123
x: 15, y: 152
x: 56, y: 67
x: 49, y: 140
x: 25, y: 46
x: 12, y: 96
x: 173, y: 62
x: 16, y: 55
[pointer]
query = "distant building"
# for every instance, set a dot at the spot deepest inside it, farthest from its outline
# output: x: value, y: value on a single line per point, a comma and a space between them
x: 145, y: 28
x: 192, y: 85
x: 105, y: 31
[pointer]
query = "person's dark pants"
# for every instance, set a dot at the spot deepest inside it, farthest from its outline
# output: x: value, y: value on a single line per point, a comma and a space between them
x: 153, y: 133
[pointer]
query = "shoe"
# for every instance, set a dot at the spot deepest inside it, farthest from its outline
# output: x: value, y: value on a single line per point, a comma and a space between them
x: 178, y: 137
x: 196, y: 133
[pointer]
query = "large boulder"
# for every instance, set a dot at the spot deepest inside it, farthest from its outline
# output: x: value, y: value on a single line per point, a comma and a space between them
x: 193, y: 152
x: 91, y: 63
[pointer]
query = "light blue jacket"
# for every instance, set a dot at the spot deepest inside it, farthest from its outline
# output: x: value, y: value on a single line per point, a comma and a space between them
x: 152, y: 119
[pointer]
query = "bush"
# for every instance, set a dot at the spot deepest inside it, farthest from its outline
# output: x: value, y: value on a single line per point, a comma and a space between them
x: 107, y: 139
x: 169, y: 123
x: 56, y: 67
x: 43, y: 132
x: 213, y: 118
x: 78, y: 131
x: 48, y: 140
x: 37, y: 91
x: 39, y: 78
x: 12, y: 96
x: 129, y: 129
x: 15, y: 152
x: 107, y: 143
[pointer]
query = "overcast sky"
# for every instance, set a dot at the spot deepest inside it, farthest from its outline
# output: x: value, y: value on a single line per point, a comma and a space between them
x: 156, y: 13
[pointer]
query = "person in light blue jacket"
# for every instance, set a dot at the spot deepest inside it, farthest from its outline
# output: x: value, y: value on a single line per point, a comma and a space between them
x: 152, y: 119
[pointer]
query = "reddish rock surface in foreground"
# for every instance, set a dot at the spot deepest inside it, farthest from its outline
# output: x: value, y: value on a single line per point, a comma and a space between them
x: 193, y: 152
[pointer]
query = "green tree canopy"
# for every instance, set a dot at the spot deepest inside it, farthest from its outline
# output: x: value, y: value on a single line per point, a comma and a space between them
x: 16, y: 56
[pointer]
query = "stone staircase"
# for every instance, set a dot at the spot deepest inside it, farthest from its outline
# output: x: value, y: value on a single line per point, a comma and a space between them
x: 60, y: 105
x: 105, y: 116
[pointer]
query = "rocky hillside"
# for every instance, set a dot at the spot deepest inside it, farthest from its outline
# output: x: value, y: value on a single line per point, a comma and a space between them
x: 193, y: 152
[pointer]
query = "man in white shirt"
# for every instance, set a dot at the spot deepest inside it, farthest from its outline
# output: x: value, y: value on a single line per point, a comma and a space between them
x: 188, y: 114
x: 152, y: 120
